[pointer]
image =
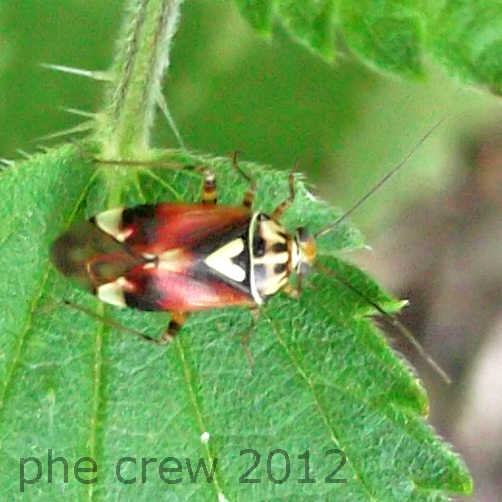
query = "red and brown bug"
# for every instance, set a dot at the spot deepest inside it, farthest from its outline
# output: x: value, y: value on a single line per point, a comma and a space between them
x: 181, y: 257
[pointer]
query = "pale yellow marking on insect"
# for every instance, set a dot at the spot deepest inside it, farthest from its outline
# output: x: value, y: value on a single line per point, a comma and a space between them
x: 272, y: 258
x: 209, y: 176
x: 274, y: 284
x: 109, y: 222
x: 270, y: 281
x: 295, y: 254
x: 271, y: 232
x: 221, y: 260
x: 253, y: 227
x: 148, y: 256
x: 173, y: 260
x: 112, y: 293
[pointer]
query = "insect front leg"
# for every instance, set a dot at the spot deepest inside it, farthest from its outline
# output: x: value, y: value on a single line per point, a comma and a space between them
x: 255, y: 314
x: 281, y: 208
x: 292, y: 290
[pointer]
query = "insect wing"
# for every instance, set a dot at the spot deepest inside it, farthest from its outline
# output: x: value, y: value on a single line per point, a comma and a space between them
x: 198, y: 256
x: 154, y: 229
x: 162, y: 289
x: 161, y: 257
x: 90, y: 257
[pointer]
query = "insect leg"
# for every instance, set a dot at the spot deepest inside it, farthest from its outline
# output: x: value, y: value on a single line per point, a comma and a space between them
x: 111, y: 323
x: 281, y: 208
x: 255, y: 314
x: 175, y: 324
x: 209, y: 188
x: 177, y: 321
x: 176, y: 166
x: 292, y: 291
x: 250, y: 194
x: 93, y: 263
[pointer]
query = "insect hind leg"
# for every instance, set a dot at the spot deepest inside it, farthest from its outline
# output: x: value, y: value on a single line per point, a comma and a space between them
x: 177, y: 321
x: 175, y: 324
x: 176, y: 166
x: 250, y: 194
x: 209, y: 188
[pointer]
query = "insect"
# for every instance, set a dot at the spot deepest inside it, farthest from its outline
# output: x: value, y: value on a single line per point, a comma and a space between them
x: 182, y: 257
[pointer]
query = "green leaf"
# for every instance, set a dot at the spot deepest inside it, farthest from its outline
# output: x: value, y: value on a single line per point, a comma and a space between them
x: 465, y: 37
x: 462, y: 36
x: 323, y: 377
x: 258, y: 13
x: 311, y: 23
x: 387, y: 34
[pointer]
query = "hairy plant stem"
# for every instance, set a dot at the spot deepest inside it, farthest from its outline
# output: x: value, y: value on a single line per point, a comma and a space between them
x: 141, y: 58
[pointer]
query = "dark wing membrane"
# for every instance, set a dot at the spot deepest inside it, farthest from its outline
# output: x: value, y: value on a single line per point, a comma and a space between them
x: 161, y: 289
x: 162, y: 227
x: 90, y: 257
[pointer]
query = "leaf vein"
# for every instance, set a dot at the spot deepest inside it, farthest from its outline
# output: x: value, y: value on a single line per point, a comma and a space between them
x: 317, y: 403
x: 189, y: 379
x: 97, y: 402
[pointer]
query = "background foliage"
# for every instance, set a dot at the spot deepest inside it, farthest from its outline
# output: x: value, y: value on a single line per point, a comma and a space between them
x: 230, y: 89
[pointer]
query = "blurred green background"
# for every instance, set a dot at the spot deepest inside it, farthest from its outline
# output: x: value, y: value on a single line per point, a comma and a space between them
x: 229, y: 89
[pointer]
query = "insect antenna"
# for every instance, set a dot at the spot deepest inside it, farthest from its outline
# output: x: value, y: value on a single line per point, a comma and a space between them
x: 394, y: 322
x: 391, y: 319
x: 381, y: 183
